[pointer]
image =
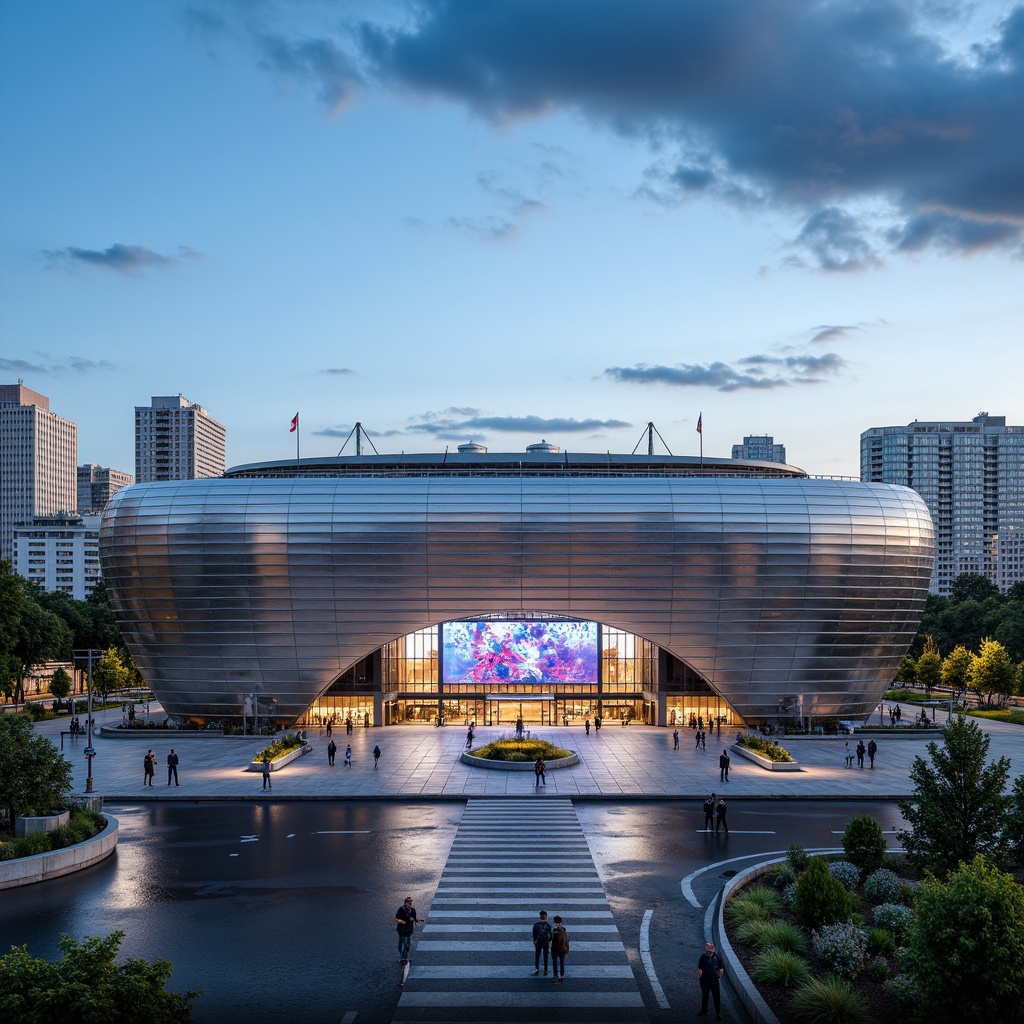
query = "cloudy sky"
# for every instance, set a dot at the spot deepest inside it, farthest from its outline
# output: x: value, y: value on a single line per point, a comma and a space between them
x: 502, y: 220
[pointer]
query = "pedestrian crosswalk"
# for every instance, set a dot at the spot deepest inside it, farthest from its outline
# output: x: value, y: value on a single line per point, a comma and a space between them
x: 474, y: 958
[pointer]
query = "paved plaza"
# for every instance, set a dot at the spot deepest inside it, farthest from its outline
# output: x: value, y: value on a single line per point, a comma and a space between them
x: 423, y: 762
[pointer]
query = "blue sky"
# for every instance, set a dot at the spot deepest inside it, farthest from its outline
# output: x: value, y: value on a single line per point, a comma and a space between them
x: 503, y: 221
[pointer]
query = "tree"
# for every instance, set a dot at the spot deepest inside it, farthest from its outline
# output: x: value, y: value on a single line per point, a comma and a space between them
x: 929, y: 666
x: 958, y: 809
x: 109, y: 673
x: 972, y: 586
x: 820, y: 898
x: 907, y: 672
x: 1013, y: 836
x: 87, y: 986
x: 992, y: 672
x: 956, y: 670
x: 41, y: 636
x: 60, y: 684
x: 969, y: 927
x: 33, y: 774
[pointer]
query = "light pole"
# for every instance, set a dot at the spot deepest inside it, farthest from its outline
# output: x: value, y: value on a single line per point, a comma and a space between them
x: 88, y: 655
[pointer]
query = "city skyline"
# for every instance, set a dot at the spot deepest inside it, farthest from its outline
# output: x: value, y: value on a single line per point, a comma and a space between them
x: 503, y: 223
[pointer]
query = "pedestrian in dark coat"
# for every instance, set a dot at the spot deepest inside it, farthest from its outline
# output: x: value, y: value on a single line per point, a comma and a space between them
x: 721, y: 812
x: 559, y: 948
x: 328, y: 727
x: 703, y: 740
x: 266, y: 772
x: 332, y: 749
x: 861, y: 750
x: 172, y: 767
x: 872, y: 750
x: 709, y: 974
x: 376, y: 757
x: 538, y: 771
x: 148, y: 768
x: 709, y: 813
x: 723, y: 766
x: 675, y: 740
x: 541, y: 942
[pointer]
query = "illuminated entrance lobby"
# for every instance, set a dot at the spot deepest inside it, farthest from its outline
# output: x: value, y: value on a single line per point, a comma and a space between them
x: 375, y: 584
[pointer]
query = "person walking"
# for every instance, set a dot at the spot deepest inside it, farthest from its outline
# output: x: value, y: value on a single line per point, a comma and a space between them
x: 538, y: 771
x: 703, y: 740
x: 721, y: 816
x: 872, y: 750
x: 172, y: 767
x: 559, y: 949
x: 469, y: 737
x: 709, y: 813
x: 406, y: 920
x: 723, y: 766
x: 332, y: 749
x: 148, y: 768
x: 597, y: 723
x: 376, y: 757
x: 586, y: 725
x: 348, y: 755
x: 847, y: 754
x: 696, y: 740
x: 329, y: 721
x: 266, y: 772
x: 348, y: 725
x: 675, y: 739
x: 709, y: 975
x: 861, y: 750
x: 541, y: 942
x: 519, y: 728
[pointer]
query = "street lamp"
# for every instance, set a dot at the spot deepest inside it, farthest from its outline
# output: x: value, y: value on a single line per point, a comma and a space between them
x: 88, y: 655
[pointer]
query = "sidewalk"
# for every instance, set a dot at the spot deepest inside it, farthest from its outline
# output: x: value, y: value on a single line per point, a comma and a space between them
x: 422, y: 762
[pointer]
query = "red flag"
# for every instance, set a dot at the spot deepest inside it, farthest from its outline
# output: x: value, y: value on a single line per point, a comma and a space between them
x: 700, y: 419
x: 295, y: 424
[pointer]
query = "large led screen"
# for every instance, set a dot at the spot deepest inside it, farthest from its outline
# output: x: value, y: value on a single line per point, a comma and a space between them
x: 519, y: 652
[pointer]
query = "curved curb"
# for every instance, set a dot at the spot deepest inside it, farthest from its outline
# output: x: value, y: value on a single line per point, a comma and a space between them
x: 518, y: 766
x: 41, y: 867
x: 753, y: 1002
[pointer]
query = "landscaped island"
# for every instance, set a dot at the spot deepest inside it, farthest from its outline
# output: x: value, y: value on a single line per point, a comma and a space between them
x: 520, y: 750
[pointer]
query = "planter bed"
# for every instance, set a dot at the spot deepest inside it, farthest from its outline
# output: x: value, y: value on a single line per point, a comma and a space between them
x: 765, y: 762
x: 517, y: 766
x: 278, y: 763
x: 41, y: 823
x: 42, y: 866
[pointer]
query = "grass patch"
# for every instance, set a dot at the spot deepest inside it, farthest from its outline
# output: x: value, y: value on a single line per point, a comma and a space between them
x: 1012, y: 715
x: 830, y: 1001
x: 756, y: 904
x: 780, y: 967
x: 520, y: 750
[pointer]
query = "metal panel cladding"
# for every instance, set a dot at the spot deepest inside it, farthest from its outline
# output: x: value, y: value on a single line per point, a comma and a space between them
x: 786, y: 595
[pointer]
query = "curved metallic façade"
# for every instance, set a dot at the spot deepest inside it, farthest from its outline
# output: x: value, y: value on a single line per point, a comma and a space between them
x: 784, y: 594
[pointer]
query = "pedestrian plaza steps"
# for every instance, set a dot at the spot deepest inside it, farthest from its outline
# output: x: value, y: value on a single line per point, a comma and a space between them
x: 473, y: 960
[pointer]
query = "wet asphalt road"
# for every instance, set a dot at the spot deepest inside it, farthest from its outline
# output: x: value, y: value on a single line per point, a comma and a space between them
x: 287, y: 909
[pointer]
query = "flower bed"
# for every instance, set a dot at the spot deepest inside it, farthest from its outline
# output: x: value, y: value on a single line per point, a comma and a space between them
x: 520, y: 750
x: 766, y: 748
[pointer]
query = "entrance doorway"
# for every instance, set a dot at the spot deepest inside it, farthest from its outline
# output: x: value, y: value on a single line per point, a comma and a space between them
x: 538, y: 709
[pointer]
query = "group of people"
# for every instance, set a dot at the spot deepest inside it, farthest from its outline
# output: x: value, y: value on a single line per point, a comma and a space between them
x: 871, y: 749
x: 332, y: 751
x: 550, y: 938
x: 716, y: 814
x: 149, y: 768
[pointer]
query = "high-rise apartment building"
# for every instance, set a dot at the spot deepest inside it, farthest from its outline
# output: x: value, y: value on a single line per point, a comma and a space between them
x: 971, y: 475
x: 96, y: 484
x: 38, y: 455
x: 175, y: 439
x: 761, y: 447
x: 60, y: 552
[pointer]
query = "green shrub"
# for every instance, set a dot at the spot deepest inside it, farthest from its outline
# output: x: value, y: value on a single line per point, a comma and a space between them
x: 881, y: 942
x: 819, y: 898
x: 883, y: 886
x: 878, y: 969
x: 841, y: 947
x: 798, y: 858
x: 845, y: 872
x: 781, y: 875
x: 35, y: 710
x: 280, y: 747
x: 63, y: 836
x: 764, y: 902
x: 893, y: 916
x: 864, y: 843
x: 780, y: 967
x: 33, y: 843
x: 902, y: 992
x: 829, y: 1001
